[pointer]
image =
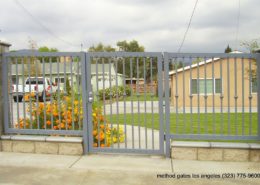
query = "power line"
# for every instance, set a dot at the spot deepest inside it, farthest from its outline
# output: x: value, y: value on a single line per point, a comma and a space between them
x: 188, y: 27
x: 238, y: 24
x: 43, y: 26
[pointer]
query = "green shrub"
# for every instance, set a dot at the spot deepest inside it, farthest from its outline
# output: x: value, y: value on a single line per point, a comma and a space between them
x: 114, y: 92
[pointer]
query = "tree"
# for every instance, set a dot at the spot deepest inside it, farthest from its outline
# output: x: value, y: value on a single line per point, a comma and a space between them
x: 101, y: 48
x: 228, y: 49
x: 132, y: 46
x: 46, y: 49
x: 32, y: 62
x: 197, y: 60
x: 251, y: 46
x: 47, y: 59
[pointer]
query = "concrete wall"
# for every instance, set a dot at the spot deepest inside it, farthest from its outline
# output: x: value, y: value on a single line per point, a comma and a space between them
x: 184, y: 78
x: 42, y: 144
x: 215, y: 151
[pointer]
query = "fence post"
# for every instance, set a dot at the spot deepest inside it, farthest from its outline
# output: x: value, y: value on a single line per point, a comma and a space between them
x: 4, y: 47
x: 258, y: 89
x: 167, y: 104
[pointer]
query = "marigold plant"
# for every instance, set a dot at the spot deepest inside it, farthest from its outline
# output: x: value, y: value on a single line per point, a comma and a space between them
x: 67, y: 114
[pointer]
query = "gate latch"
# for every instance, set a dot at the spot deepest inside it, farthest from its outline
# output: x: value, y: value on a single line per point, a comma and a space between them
x: 90, y: 97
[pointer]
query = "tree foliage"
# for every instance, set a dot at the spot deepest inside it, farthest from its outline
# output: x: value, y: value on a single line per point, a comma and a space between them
x: 141, y: 67
x: 46, y: 49
x: 132, y: 46
x: 101, y: 48
x: 251, y: 46
x: 228, y: 49
x: 47, y: 59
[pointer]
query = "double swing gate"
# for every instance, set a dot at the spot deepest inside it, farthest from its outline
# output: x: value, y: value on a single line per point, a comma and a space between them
x: 131, y: 102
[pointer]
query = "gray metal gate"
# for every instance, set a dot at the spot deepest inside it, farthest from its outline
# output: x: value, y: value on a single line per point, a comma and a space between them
x: 130, y: 119
x: 116, y: 100
x: 110, y: 99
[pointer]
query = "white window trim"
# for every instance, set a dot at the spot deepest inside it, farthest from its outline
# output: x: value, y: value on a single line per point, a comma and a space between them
x: 203, y: 94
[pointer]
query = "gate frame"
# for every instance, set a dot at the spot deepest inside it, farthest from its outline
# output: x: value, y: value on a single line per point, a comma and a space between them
x: 88, y: 101
x: 6, y: 112
x: 169, y: 135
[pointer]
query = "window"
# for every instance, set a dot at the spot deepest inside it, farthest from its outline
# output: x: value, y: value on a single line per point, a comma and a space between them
x: 253, y: 85
x: 200, y: 86
x: 34, y: 81
x: 59, y: 80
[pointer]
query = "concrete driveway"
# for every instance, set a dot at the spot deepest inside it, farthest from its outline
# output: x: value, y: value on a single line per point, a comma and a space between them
x: 30, y: 169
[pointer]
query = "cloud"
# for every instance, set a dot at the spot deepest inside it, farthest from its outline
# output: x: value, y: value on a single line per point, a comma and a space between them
x: 158, y: 25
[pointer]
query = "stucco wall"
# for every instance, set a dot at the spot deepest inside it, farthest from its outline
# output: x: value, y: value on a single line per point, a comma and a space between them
x: 183, y: 83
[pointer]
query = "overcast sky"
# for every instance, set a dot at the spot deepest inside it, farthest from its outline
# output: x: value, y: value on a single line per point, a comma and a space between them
x: 158, y: 25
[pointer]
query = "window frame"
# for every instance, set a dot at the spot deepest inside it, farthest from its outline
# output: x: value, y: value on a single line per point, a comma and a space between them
x: 214, y: 85
x: 59, y: 80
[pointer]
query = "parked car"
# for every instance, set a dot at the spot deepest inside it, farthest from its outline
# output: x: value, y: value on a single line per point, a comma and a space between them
x: 39, y: 86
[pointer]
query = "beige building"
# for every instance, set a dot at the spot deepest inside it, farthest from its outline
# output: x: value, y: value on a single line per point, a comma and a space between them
x: 193, y: 81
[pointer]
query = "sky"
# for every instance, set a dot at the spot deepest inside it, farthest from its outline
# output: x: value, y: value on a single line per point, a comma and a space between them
x: 158, y: 25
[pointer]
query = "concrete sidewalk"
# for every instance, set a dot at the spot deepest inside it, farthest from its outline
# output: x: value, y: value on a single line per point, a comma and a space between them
x: 18, y: 168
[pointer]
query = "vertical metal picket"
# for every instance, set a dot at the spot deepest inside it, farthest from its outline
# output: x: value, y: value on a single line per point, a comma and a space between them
x: 167, y: 104
x: 258, y: 92
x: 89, y: 101
x: 84, y: 103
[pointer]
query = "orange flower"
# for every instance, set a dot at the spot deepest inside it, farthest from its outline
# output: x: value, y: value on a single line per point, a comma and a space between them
x: 69, y: 121
x: 55, y: 113
x: 62, y: 125
x: 101, y: 118
x: 94, y: 132
x: 102, y: 145
x: 48, y: 122
x: 41, y: 105
x: 95, y: 144
x: 100, y: 136
x: 55, y: 128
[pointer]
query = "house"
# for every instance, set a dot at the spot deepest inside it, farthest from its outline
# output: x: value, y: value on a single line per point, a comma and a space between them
x: 105, y: 76
x: 195, y: 85
x: 59, y: 72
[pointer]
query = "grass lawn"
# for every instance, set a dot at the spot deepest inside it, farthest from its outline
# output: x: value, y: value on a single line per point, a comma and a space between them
x: 190, y: 124
x: 142, y: 97
x: 134, y: 97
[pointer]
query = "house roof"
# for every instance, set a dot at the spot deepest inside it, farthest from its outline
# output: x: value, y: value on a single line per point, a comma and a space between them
x: 197, y: 64
x: 4, y: 43
x: 76, y: 68
x: 47, y: 68
x: 193, y: 66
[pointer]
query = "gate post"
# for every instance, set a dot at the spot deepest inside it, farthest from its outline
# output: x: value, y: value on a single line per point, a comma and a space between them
x: 258, y: 90
x: 167, y: 104
x: 4, y: 47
